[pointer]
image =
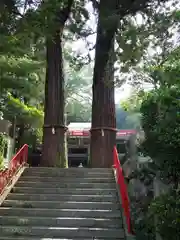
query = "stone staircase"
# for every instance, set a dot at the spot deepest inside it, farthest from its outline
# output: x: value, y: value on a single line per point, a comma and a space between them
x: 69, y: 204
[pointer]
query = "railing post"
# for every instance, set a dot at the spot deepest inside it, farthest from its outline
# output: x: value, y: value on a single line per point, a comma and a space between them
x: 15, y: 164
x: 123, y: 191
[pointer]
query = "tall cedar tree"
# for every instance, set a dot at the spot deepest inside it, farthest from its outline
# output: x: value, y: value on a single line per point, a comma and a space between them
x: 54, y: 136
x: 103, y: 134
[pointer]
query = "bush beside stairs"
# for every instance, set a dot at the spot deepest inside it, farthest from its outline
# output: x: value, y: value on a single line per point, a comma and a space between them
x: 69, y: 204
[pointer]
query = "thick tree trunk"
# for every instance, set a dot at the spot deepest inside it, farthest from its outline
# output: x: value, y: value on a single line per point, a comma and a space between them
x: 54, y: 136
x: 53, y: 153
x: 103, y: 132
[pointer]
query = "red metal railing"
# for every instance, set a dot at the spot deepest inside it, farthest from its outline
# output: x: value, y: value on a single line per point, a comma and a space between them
x: 123, y: 191
x: 17, y: 162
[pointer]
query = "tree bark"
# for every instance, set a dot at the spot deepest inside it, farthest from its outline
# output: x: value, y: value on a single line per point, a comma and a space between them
x: 103, y: 132
x: 54, y: 151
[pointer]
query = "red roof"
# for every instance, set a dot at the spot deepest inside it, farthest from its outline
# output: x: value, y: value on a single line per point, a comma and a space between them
x: 86, y: 132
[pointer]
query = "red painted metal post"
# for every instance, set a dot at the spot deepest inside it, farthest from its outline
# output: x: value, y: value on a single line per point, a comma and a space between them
x: 123, y: 190
x: 17, y: 162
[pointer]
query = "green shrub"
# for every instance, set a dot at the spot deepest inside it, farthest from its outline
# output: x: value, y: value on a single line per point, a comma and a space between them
x: 161, y: 124
x: 166, y: 208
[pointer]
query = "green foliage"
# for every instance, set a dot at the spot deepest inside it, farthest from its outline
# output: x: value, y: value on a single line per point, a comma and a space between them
x: 25, y: 114
x: 2, y: 143
x: 78, y: 111
x: 132, y: 107
x: 78, y: 93
x: 152, y: 28
x: 22, y: 84
x: 160, y: 121
x: 20, y: 76
x: 167, y: 71
x: 21, y: 92
x: 32, y: 137
x: 133, y: 103
x: 144, y: 226
x: 166, y: 209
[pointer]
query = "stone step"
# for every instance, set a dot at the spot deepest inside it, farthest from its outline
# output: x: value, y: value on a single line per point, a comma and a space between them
x: 40, y: 212
x: 57, y: 197
x: 64, y: 204
x: 60, y: 232
x: 72, y: 169
x: 68, y: 179
x: 68, y: 174
x: 61, y: 205
x: 39, y: 238
x: 60, y: 222
x: 61, y: 184
x: 58, y: 172
x: 84, y: 191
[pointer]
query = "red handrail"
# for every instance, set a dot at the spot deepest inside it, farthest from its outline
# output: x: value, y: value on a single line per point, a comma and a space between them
x: 17, y: 162
x: 123, y: 190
